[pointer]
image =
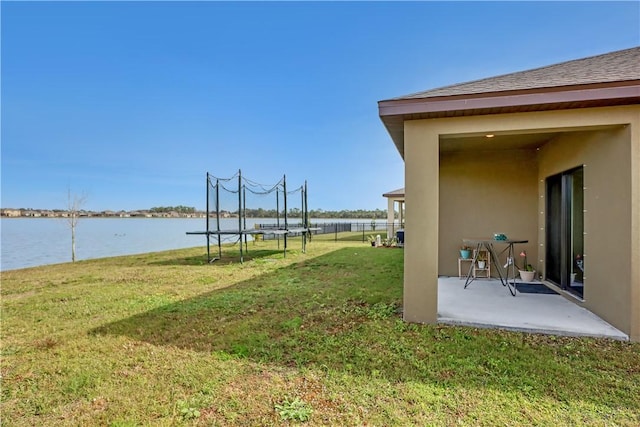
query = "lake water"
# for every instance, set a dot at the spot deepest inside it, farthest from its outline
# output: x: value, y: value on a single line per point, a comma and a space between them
x: 29, y: 242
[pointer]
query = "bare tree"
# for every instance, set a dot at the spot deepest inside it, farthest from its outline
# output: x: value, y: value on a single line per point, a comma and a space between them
x: 74, y: 203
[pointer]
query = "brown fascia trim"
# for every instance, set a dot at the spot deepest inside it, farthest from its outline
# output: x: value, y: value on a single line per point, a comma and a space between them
x: 393, y: 194
x: 510, y: 99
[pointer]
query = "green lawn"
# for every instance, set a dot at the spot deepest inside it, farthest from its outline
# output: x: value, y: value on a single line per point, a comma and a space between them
x: 315, y: 338
x: 349, y: 236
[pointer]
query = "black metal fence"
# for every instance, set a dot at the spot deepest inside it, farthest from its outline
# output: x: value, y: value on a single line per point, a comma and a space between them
x: 345, y: 231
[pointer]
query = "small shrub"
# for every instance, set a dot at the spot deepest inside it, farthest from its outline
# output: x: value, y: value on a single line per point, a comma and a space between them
x: 294, y: 409
x: 240, y: 350
x: 380, y: 311
x: 187, y: 412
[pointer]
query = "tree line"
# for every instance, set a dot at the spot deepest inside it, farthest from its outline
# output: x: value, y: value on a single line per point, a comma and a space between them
x: 167, y: 209
x: 320, y: 213
x: 294, y: 212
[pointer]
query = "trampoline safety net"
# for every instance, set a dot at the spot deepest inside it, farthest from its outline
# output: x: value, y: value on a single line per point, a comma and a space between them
x: 238, y: 197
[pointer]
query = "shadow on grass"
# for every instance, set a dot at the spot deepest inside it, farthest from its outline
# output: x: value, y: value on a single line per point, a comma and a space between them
x: 340, y: 312
x: 229, y: 256
x: 286, y: 316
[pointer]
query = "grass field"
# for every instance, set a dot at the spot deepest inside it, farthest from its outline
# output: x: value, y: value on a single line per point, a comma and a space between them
x: 314, y: 339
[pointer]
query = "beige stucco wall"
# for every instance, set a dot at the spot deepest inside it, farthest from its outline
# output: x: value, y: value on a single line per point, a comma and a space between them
x: 605, y: 155
x: 486, y: 192
x: 421, y: 161
x: 435, y: 211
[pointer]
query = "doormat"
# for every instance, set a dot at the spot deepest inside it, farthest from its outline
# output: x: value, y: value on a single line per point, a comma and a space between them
x: 534, y: 288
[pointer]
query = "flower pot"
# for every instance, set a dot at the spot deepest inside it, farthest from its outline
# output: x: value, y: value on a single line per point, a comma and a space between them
x: 481, y: 265
x: 527, y: 276
x: 465, y: 254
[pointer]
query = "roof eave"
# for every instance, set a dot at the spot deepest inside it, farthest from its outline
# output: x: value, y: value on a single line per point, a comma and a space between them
x: 394, y: 112
x: 399, y: 193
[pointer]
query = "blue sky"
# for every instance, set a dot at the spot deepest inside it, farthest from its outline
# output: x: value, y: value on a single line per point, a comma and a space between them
x: 133, y: 102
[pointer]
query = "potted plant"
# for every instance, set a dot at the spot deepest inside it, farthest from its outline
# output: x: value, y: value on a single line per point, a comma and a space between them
x: 482, y: 260
x: 527, y: 273
x: 465, y: 252
x: 372, y: 239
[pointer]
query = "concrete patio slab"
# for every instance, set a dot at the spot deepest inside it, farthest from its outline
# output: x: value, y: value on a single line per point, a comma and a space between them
x: 488, y: 304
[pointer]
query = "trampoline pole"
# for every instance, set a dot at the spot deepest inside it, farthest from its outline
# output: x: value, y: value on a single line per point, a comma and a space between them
x: 307, y: 226
x: 218, y: 217
x: 240, y: 212
x: 304, y: 234
x: 244, y: 216
x: 286, y: 225
x: 306, y: 210
x: 278, y: 214
x: 207, y: 223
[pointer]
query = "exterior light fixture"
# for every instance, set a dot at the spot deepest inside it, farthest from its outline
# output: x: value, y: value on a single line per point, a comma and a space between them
x: 489, y: 135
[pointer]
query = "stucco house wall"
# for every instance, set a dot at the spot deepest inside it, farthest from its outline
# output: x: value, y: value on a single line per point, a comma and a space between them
x: 486, y: 192
x: 606, y: 156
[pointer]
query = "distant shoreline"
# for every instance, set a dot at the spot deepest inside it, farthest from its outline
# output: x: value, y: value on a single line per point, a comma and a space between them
x: 114, y: 217
x: 367, y: 220
x: 359, y: 215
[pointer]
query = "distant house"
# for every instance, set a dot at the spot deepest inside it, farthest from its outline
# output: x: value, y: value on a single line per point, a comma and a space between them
x: 395, y: 199
x: 551, y: 155
x: 12, y: 213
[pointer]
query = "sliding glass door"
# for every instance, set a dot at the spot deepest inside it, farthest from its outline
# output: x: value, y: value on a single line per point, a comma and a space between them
x: 565, y: 230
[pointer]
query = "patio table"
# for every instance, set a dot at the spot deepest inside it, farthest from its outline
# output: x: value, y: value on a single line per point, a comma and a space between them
x: 488, y: 244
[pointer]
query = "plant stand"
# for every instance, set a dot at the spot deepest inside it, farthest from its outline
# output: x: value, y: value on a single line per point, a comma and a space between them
x: 463, y: 267
x: 484, y: 272
x: 467, y: 264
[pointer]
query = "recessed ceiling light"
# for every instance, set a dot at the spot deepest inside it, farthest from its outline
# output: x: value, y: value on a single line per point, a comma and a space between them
x: 489, y: 135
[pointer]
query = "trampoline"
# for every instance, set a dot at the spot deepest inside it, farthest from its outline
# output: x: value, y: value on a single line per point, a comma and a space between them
x: 228, y: 196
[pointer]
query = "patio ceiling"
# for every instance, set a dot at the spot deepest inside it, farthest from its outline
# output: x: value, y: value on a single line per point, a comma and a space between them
x: 497, y: 142
x: 514, y: 140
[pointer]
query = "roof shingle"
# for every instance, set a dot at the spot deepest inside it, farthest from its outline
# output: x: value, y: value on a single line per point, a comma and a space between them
x: 619, y: 66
